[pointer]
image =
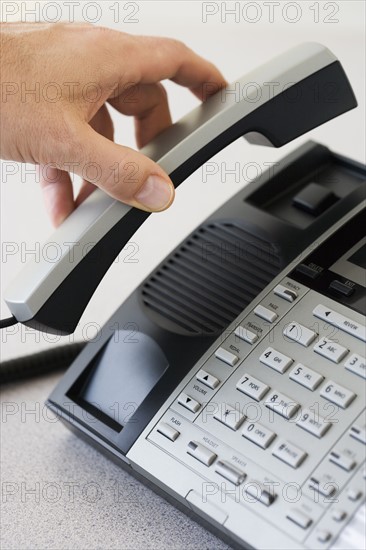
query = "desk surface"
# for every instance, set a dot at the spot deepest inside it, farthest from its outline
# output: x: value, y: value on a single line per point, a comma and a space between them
x: 58, y: 492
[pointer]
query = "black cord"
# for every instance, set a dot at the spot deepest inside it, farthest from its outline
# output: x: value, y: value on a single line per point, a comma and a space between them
x: 44, y: 362
x: 5, y: 323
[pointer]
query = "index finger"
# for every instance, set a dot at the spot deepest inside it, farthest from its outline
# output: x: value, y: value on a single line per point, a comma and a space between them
x: 154, y: 59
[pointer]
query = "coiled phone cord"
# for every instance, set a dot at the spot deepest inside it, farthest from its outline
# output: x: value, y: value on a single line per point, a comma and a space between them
x: 44, y: 362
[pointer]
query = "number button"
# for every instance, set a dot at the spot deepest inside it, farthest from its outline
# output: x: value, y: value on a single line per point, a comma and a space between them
x: 312, y: 423
x: 258, y: 434
x: 300, y: 334
x: 356, y: 364
x: 306, y: 377
x: 330, y: 350
x: 281, y: 404
x: 252, y: 387
x: 337, y: 394
x: 275, y: 360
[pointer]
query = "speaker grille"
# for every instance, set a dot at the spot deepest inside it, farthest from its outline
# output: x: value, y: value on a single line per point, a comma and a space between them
x: 205, y: 283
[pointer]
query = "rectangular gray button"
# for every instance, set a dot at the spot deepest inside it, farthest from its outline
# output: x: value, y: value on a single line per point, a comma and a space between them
x: 358, y: 433
x: 246, y: 334
x: 356, y: 364
x: 341, y: 322
x: 281, y: 404
x: 276, y: 360
x: 229, y: 472
x: 331, y: 350
x: 323, y: 487
x: 300, y: 334
x: 231, y: 417
x: 252, y: 387
x: 342, y: 460
x: 188, y: 402
x: 289, y: 453
x: 285, y: 293
x: 167, y: 431
x: 306, y: 377
x: 258, y: 434
x: 337, y: 394
x: 207, y: 379
x: 313, y: 423
x: 260, y: 492
x: 201, y: 453
x: 301, y: 519
x: 226, y: 356
x: 265, y: 313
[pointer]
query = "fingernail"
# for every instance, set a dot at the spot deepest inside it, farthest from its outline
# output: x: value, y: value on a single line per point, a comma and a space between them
x: 156, y: 194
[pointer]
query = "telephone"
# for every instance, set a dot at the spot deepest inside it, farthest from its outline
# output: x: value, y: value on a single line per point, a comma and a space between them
x: 232, y: 378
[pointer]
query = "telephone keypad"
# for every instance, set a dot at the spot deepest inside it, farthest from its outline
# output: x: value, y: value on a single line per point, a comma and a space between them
x: 281, y: 413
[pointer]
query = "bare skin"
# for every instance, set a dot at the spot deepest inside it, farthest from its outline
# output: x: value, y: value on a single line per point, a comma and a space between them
x: 64, y: 126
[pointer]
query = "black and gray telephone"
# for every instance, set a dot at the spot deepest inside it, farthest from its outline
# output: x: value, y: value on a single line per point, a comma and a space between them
x: 232, y: 321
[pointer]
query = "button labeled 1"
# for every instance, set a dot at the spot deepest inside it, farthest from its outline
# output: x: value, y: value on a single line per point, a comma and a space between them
x: 300, y: 334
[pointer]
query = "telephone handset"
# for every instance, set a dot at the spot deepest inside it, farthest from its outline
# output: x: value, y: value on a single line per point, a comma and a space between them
x: 294, y: 93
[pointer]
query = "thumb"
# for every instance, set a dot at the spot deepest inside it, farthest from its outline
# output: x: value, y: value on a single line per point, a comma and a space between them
x: 123, y: 173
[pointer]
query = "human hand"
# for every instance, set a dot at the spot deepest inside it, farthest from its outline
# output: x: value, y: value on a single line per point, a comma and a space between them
x: 64, y: 125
